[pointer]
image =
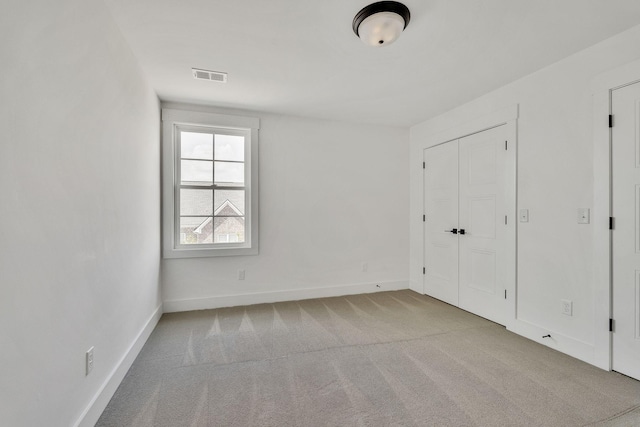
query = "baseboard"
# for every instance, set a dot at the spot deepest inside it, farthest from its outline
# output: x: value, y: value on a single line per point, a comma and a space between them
x: 99, y: 402
x: 279, y: 296
x: 563, y: 343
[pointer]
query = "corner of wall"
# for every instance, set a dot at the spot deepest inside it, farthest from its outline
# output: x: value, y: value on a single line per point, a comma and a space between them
x: 92, y: 412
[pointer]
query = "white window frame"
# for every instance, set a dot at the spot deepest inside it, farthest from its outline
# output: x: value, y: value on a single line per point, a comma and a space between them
x: 172, y: 120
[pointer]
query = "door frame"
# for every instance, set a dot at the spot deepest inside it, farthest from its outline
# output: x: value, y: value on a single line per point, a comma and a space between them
x: 509, y: 118
x: 602, y: 87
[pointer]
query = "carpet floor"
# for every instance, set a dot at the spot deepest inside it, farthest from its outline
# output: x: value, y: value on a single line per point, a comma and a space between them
x: 385, y: 359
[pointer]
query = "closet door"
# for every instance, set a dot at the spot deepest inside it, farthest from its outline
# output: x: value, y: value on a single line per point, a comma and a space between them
x: 482, y: 224
x: 441, y: 218
x: 625, y: 143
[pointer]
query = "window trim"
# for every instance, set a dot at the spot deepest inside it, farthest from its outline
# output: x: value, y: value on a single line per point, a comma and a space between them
x: 172, y: 119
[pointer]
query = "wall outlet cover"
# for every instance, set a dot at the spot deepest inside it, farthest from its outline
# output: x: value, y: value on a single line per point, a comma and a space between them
x: 567, y: 307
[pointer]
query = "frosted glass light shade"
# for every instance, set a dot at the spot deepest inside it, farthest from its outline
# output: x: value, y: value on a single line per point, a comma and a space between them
x: 381, y: 23
x: 381, y: 29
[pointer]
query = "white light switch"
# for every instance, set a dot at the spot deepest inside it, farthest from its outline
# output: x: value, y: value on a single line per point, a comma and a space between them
x: 524, y: 215
x: 583, y: 215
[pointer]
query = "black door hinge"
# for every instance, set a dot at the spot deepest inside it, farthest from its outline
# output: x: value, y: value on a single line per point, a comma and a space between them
x: 424, y: 218
x: 424, y: 270
x: 424, y: 165
x: 610, y: 325
x: 506, y: 145
x: 610, y: 120
x: 610, y: 223
x: 505, y: 294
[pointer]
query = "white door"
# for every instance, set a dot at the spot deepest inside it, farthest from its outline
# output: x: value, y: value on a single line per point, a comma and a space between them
x: 482, y: 217
x: 626, y: 235
x: 441, y: 217
x: 465, y: 230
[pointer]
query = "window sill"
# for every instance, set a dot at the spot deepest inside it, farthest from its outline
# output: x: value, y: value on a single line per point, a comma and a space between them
x: 208, y: 252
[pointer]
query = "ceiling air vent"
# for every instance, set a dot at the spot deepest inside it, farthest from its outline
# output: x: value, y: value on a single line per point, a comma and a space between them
x: 215, y: 76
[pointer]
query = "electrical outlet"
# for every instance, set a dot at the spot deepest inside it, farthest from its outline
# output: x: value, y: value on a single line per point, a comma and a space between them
x: 365, y: 267
x: 240, y: 274
x: 524, y: 215
x: 89, y: 361
x: 567, y: 307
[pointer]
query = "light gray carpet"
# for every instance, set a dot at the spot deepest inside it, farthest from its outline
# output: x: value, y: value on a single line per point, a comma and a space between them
x: 628, y: 418
x: 392, y: 358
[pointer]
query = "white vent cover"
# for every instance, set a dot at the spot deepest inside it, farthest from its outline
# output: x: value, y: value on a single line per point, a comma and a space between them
x: 215, y: 76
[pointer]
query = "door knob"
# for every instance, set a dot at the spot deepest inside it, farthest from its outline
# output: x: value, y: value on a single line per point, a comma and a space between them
x: 454, y: 231
x: 462, y: 231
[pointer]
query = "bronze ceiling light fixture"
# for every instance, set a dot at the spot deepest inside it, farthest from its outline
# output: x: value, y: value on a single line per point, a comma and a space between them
x: 381, y: 23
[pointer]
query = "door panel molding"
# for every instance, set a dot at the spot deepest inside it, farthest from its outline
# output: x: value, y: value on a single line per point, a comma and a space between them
x: 476, y: 223
x: 476, y: 284
x: 637, y: 304
x: 636, y: 230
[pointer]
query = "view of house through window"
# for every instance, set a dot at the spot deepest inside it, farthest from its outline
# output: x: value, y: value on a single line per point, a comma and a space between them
x: 210, y: 186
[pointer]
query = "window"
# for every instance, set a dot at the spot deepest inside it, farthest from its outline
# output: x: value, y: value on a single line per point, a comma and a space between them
x: 210, y: 190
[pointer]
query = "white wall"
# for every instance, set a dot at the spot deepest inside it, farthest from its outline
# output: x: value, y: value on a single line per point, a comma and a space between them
x: 555, y: 177
x: 79, y: 207
x: 332, y: 196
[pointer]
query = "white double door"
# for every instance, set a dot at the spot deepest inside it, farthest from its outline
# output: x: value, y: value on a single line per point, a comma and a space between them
x: 625, y: 149
x: 465, y: 223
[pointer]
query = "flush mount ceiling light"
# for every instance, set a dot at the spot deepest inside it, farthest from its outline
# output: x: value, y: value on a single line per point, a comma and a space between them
x: 381, y: 23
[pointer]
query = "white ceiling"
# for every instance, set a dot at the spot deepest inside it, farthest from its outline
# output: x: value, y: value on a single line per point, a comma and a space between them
x: 300, y: 57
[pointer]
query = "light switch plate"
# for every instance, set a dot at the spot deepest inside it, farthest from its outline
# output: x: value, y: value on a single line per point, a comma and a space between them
x: 524, y: 215
x: 89, y: 361
x: 584, y: 215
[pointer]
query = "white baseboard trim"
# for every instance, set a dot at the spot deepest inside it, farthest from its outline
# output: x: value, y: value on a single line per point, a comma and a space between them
x: 172, y: 306
x: 563, y: 343
x: 99, y: 402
